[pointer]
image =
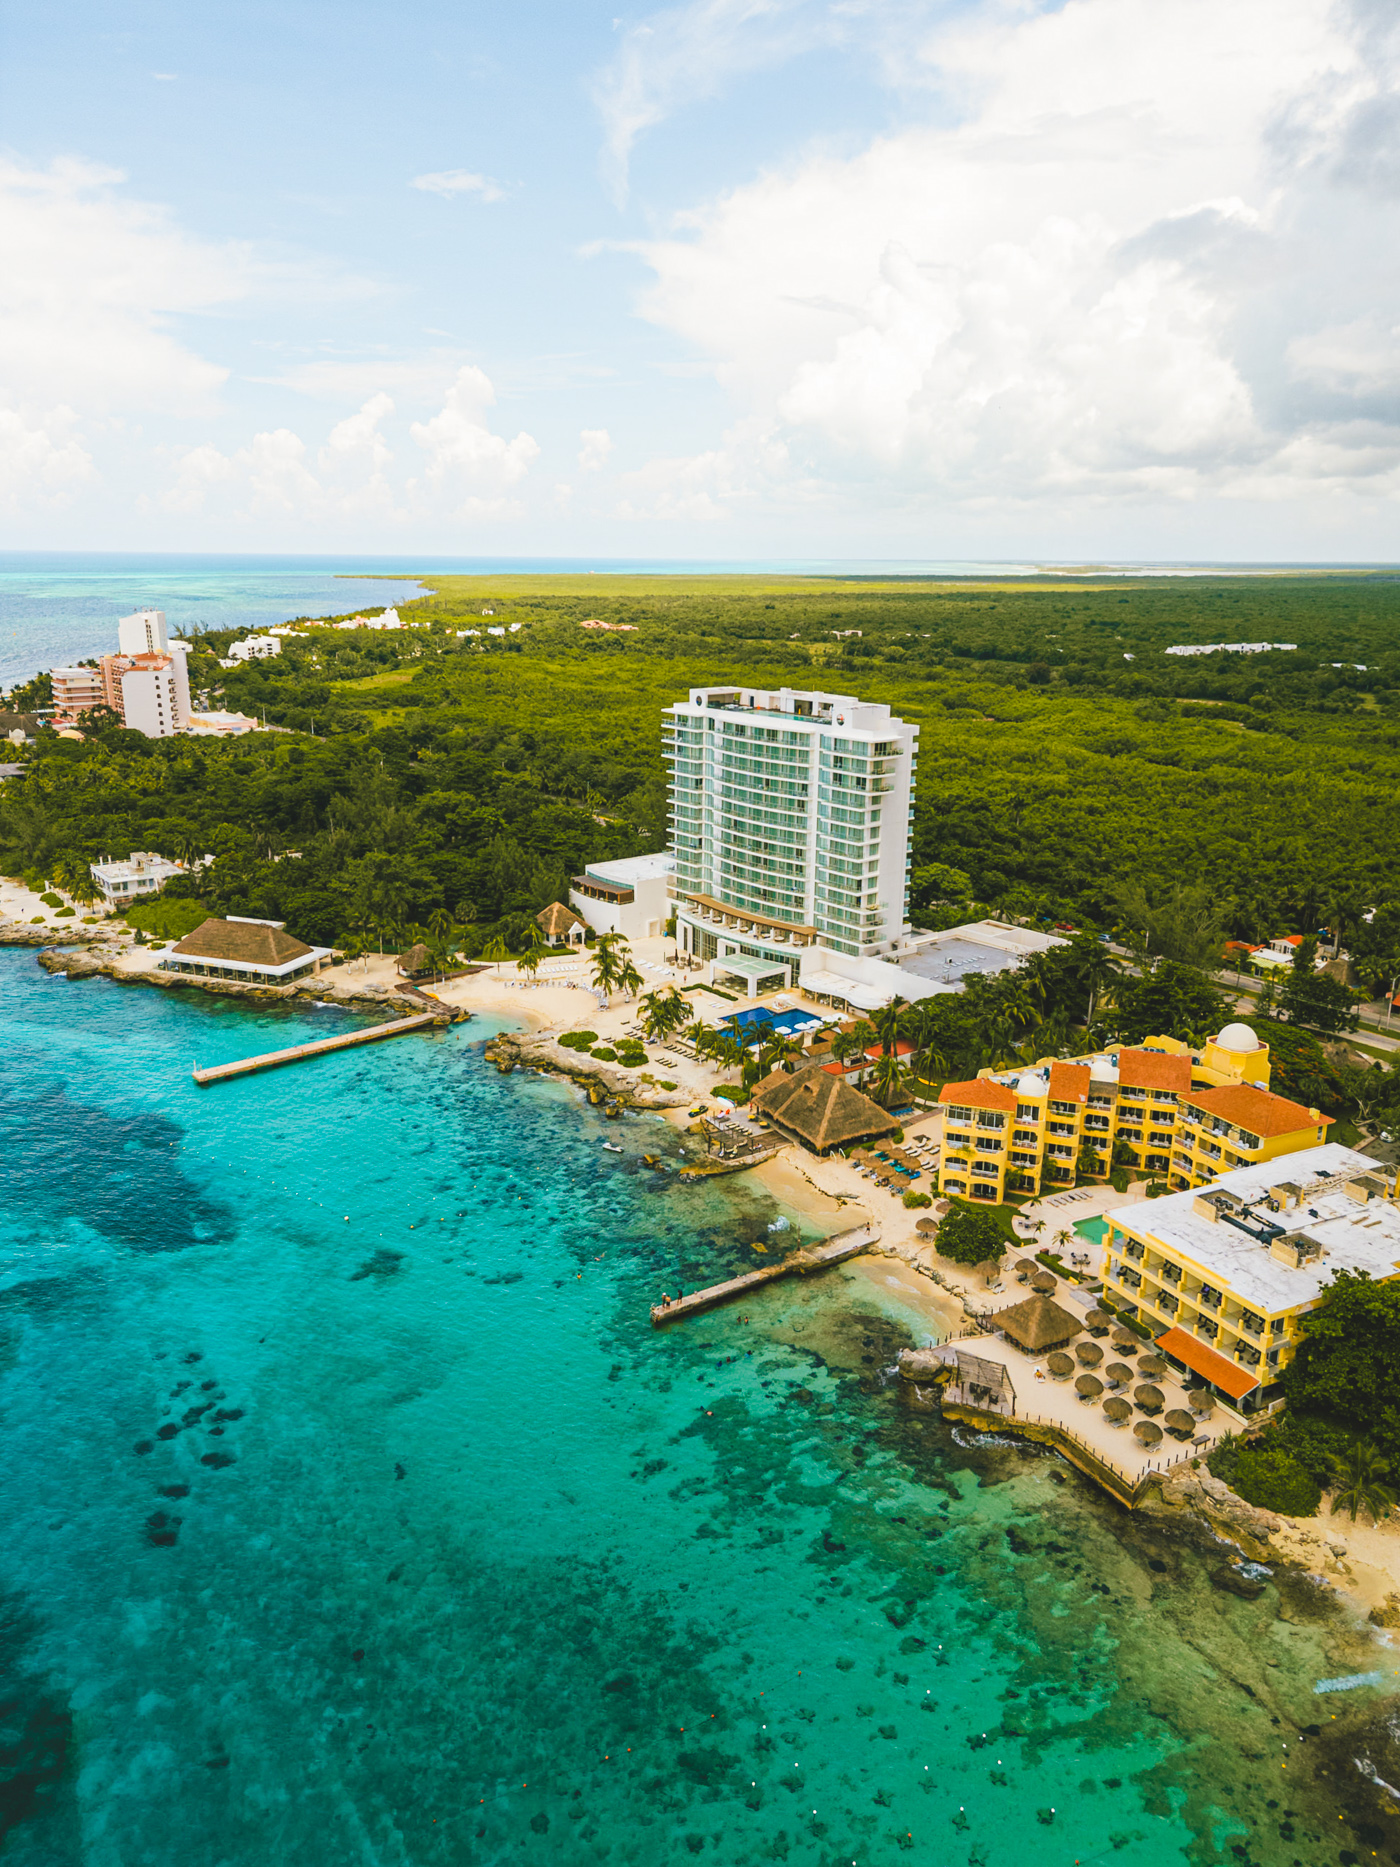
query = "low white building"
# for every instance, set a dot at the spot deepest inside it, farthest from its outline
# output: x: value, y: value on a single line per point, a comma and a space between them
x: 255, y: 952
x: 220, y: 725
x: 127, y: 879
x: 252, y: 648
x: 628, y: 897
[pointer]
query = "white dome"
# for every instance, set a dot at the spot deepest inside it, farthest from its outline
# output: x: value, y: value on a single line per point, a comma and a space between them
x: 1237, y: 1037
x: 1031, y: 1087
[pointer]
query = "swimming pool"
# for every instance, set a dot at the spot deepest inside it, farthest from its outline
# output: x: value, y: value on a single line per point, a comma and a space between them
x: 759, y: 1018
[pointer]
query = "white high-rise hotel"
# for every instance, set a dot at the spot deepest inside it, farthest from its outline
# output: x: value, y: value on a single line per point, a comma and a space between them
x: 790, y: 820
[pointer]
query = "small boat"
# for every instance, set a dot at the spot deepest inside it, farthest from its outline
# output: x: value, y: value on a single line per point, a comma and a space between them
x: 611, y: 1147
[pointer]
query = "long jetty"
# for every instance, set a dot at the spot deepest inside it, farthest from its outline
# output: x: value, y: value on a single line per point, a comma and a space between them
x: 298, y: 1053
x: 833, y: 1250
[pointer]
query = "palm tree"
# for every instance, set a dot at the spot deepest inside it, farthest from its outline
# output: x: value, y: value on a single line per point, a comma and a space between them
x: 496, y: 950
x: 628, y: 978
x: 607, y: 965
x: 529, y: 960
x: 664, y: 1012
x: 887, y: 1023
x: 1362, y: 1483
x: 888, y: 1078
x: 1093, y: 969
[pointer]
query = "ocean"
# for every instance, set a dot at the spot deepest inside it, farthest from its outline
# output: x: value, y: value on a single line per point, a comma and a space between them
x: 354, y: 1512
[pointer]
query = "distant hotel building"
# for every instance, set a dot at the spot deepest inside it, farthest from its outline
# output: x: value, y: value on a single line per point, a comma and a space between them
x: 146, y: 683
x: 790, y: 816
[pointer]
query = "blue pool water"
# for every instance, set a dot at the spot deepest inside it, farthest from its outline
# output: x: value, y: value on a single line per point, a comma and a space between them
x: 759, y: 1018
x: 355, y: 1514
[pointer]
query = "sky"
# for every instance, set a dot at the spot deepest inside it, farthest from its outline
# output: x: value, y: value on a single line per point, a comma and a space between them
x: 1107, y: 279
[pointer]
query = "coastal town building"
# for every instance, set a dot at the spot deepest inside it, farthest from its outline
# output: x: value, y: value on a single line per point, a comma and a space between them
x: 255, y: 952
x: 143, y: 633
x: 127, y: 879
x: 146, y: 684
x: 820, y: 1111
x: 790, y: 813
x: 628, y: 897
x: 1159, y: 1108
x: 75, y: 692
x: 561, y: 926
x: 217, y: 725
x: 1224, y: 1274
x: 251, y: 648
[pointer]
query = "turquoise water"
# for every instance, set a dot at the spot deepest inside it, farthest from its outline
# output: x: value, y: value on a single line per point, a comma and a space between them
x: 354, y: 1512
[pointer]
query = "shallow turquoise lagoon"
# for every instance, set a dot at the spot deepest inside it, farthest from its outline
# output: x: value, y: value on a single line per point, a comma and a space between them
x: 354, y: 1513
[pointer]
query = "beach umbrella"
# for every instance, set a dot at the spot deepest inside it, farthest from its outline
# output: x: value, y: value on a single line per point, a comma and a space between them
x: 1125, y: 1342
x: 1152, y: 1366
x: 1148, y: 1434
x: 1099, y: 1322
x: 1088, y: 1387
x: 1118, y: 1411
x: 1089, y: 1353
x: 1044, y: 1283
x: 1025, y: 1267
x: 1060, y: 1365
x: 1202, y: 1400
x: 1181, y: 1423
x: 927, y: 1227
x: 1151, y: 1399
x: 988, y: 1269
x: 1119, y: 1373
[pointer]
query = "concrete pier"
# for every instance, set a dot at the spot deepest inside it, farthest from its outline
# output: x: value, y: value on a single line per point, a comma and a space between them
x: 273, y: 1059
x: 830, y: 1251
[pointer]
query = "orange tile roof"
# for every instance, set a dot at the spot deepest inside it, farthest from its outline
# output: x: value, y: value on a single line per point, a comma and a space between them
x: 983, y: 1094
x: 901, y: 1049
x: 1209, y: 1363
x: 1150, y: 1069
x: 1069, y: 1082
x: 1259, y: 1110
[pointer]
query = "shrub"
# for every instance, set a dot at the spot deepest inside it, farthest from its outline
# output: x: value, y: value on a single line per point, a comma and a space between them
x: 62, y: 912
x: 730, y: 1093
x: 968, y: 1236
x: 1270, y: 1477
x: 666, y: 1085
x: 604, y: 1053
x: 912, y: 1199
x: 51, y: 900
x: 579, y: 1040
x: 167, y: 919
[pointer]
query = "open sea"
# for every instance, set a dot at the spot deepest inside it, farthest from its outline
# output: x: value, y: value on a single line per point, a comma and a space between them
x: 354, y: 1513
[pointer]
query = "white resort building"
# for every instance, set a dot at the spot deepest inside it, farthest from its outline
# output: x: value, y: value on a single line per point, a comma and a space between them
x: 129, y: 878
x: 628, y: 897
x: 790, y: 815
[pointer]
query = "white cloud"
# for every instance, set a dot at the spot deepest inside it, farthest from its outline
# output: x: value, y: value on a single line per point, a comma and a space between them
x: 36, y: 460
x: 463, y: 451
x: 1143, y: 258
x: 451, y: 182
x: 597, y: 445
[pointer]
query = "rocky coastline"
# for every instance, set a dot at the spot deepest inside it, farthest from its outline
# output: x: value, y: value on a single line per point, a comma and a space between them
x: 98, y: 959
x: 605, y: 1086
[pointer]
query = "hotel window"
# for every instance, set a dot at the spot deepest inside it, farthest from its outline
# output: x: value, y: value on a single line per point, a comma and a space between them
x: 1027, y: 1112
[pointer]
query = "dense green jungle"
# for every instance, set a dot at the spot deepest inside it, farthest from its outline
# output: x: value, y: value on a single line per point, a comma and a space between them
x: 1065, y: 758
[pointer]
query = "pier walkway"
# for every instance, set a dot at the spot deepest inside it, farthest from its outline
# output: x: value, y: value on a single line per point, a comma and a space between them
x: 833, y: 1250
x: 273, y: 1059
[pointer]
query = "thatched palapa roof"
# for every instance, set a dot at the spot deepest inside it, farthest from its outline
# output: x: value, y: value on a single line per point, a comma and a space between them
x: 820, y: 1111
x: 1037, y: 1324
x: 416, y: 959
x: 255, y: 943
x: 556, y: 920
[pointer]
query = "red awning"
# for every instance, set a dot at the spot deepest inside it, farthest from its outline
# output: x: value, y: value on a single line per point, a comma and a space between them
x: 1212, y: 1366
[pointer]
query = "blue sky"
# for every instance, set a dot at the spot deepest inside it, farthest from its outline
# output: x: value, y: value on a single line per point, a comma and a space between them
x: 741, y: 277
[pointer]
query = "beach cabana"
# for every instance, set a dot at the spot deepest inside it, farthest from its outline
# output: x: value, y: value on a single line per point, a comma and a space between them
x: 1149, y: 1398
x: 1180, y: 1423
x: 1088, y: 1387
x: 1037, y: 1324
x: 1118, y: 1373
x: 820, y: 1111
x: 1117, y: 1411
x: 417, y: 959
x: 1089, y: 1354
x: 1148, y: 1434
x: 560, y: 925
x: 1060, y: 1365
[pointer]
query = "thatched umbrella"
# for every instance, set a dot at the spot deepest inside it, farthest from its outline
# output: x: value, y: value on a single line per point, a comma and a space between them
x: 1118, y: 1411
x: 988, y: 1270
x: 1025, y: 1267
x: 1037, y: 1324
x: 1202, y: 1400
x: 1152, y: 1366
x: 1044, y: 1283
x: 927, y: 1226
x: 1060, y: 1365
x: 1178, y: 1421
x: 1148, y: 1434
x: 1089, y: 1353
x: 1125, y: 1342
x: 1099, y: 1322
x: 1119, y: 1373
x: 1151, y: 1399
x: 1088, y: 1387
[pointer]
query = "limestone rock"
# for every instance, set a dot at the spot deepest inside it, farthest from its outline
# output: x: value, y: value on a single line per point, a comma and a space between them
x: 1225, y: 1511
x: 1387, y: 1614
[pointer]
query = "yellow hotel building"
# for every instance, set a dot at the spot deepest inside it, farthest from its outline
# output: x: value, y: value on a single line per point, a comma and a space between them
x: 1224, y: 1274
x: 1182, y: 1115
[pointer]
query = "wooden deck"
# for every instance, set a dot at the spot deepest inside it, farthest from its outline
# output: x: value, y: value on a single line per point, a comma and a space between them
x: 274, y: 1059
x: 811, y: 1258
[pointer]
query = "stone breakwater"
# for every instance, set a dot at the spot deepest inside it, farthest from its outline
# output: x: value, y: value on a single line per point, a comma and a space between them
x: 621, y: 1087
x: 98, y: 960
